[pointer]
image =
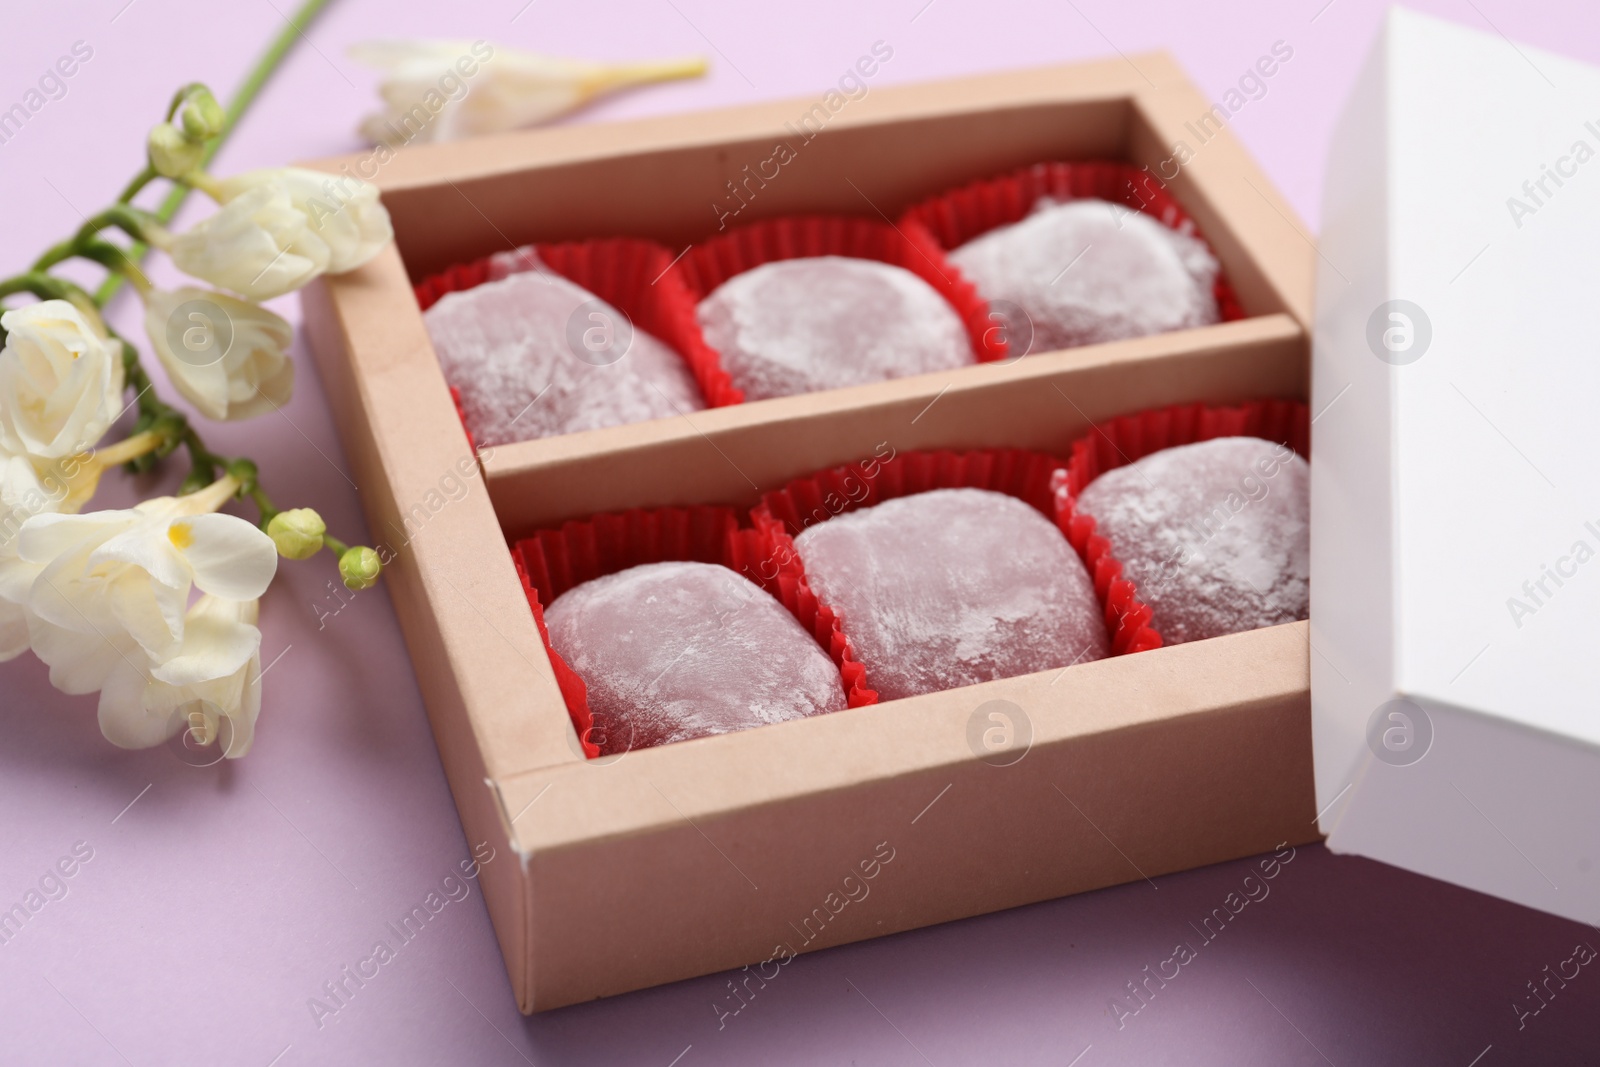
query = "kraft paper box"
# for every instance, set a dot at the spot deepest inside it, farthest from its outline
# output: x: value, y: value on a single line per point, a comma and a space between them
x: 715, y: 853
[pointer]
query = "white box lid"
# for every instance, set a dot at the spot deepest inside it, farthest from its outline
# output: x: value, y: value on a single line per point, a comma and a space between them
x: 1455, y: 550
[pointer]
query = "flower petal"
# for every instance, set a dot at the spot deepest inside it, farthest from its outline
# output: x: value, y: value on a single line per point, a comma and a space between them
x: 79, y: 662
x: 244, y: 720
x: 13, y: 630
x: 44, y: 538
x: 152, y: 547
x: 124, y: 720
x: 212, y: 648
x: 231, y: 558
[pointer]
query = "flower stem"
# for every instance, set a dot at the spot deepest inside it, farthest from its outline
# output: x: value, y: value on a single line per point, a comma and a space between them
x: 129, y: 448
x: 114, y: 258
x: 206, y: 184
x: 293, y: 30
x: 204, y: 501
x: 140, y: 180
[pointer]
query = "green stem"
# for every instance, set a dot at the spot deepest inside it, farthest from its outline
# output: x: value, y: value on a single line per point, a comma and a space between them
x: 140, y: 180
x: 263, y: 503
x: 48, y: 287
x: 38, y: 283
x: 131, y: 220
x: 114, y: 258
x: 246, y: 94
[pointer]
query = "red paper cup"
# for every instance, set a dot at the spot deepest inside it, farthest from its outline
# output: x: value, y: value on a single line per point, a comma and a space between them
x: 455, y: 398
x: 1132, y: 437
x: 769, y: 556
x: 951, y: 219
x: 550, y: 562
x: 775, y: 567
x: 629, y: 274
x: 712, y: 262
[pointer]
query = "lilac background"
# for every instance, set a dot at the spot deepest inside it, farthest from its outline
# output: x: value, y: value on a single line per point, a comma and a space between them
x: 219, y: 902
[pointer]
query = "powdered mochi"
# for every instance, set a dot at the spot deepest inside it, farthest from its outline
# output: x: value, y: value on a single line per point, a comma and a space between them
x: 800, y: 325
x: 1089, y: 270
x: 510, y: 347
x: 1216, y: 535
x: 672, y: 651
x: 953, y: 587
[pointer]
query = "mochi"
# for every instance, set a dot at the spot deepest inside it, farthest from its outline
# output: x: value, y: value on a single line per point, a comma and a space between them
x: 1215, y: 536
x: 1086, y: 271
x: 673, y: 651
x: 511, y: 349
x: 800, y: 325
x: 953, y: 587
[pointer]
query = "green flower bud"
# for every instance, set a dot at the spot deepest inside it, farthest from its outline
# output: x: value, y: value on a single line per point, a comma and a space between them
x: 297, y: 533
x: 200, y: 116
x: 171, y: 154
x: 359, y: 568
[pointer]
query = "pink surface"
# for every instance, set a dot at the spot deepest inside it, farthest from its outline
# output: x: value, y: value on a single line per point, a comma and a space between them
x: 218, y: 901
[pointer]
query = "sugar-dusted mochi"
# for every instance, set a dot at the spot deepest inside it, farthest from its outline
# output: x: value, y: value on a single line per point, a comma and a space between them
x: 505, y: 346
x: 1089, y: 270
x: 800, y: 325
x: 673, y: 651
x: 1215, y: 535
x: 953, y: 587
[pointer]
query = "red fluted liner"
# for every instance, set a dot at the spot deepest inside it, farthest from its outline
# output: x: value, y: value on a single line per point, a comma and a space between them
x: 1029, y: 476
x: 951, y: 219
x: 550, y: 562
x: 768, y: 564
x: 573, y: 692
x: 455, y: 398
x: 629, y: 274
x: 712, y: 262
x: 1132, y: 437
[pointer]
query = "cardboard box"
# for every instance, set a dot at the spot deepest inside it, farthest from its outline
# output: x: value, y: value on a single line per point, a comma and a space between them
x: 1455, y: 493
x: 732, y: 850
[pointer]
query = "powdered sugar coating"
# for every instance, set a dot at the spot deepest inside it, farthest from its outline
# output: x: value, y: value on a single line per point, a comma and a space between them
x: 953, y: 587
x: 504, y: 346
x: 1088, y: 270
x: 1216, y: 536
x: 822, y: 322
x: 673, y: 651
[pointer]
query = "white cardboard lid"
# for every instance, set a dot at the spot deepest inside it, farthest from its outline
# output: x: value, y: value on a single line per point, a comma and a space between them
x: 1455, y: 549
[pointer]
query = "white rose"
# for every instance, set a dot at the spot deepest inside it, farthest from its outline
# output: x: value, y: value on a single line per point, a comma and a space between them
x: 258, y: 244
x: 214, y: 675
x: 429, y: 94
x: 60, y: 381
x: 340, y: 209
x: 251, y: 376
x: 112, y: 585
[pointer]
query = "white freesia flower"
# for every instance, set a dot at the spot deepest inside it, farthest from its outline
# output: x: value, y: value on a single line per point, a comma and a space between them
x: 341, y: 210
x: 251, y: 376
x: 445, y: 90
x: 214, y: 675
x: 111, y: 586
x: 60, y: 381
x: 22, y: 496
x: 258, y: 244
x: 29, y: 487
